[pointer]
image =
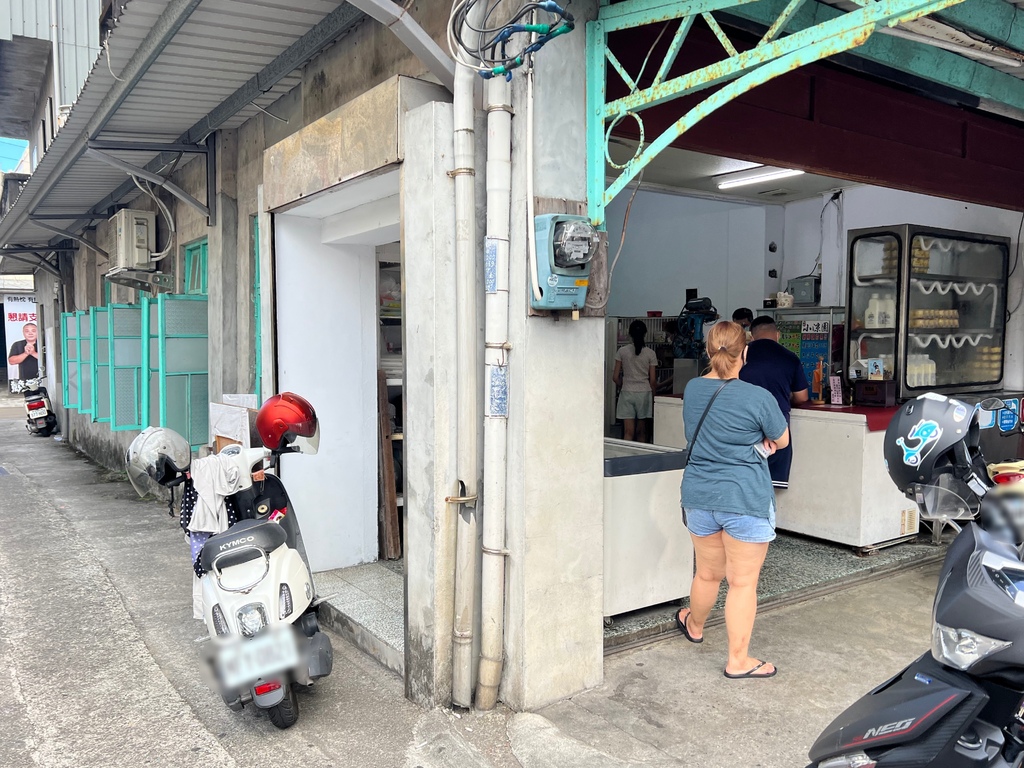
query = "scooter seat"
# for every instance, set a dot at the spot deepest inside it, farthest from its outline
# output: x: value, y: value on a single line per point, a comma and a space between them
x: 235, y: 545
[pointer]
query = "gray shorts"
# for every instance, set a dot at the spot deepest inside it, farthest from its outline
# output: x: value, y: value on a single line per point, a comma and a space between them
x: 635, y: 405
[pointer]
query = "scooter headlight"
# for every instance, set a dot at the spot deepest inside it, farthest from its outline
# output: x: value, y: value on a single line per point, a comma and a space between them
x: 962, y: 648
x: 252, y: 618
x: 852, y: 760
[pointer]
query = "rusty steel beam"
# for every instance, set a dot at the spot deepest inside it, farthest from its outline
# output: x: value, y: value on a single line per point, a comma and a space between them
x: 773, y: 56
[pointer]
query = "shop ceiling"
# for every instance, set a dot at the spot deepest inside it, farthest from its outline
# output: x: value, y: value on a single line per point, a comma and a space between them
x: 661, y: 72
x: 701, y: 173
x: 180, y: 70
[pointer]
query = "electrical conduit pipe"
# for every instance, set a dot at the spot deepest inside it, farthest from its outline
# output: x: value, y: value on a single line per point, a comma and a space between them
x: 467, y: 379
x: 496, y: 353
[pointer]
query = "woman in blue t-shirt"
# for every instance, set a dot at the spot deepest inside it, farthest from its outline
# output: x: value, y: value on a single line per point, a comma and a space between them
x: 727, y: 497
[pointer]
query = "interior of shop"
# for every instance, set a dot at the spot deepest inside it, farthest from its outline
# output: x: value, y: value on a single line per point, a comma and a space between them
x: 738, y: 233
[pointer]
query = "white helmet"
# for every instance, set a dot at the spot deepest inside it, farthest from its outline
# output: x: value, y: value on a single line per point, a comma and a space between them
x: 158, y: 454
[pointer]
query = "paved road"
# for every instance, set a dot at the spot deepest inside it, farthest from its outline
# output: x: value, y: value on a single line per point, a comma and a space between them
x: 98, y: 651
x: 99, y: 661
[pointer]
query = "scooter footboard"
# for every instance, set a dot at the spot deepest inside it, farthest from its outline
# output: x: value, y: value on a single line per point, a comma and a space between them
x: 913, y: 719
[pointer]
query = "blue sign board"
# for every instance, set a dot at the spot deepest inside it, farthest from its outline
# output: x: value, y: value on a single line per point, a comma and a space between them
x: 1008, y: 415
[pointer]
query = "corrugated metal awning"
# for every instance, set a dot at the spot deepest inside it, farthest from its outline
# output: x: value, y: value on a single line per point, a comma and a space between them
x: 218, y: 50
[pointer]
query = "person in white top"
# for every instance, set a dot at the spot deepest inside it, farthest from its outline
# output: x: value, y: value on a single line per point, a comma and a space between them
x: 634, y: 375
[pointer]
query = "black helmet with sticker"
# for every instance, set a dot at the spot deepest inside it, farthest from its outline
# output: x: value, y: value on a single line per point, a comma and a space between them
x: 929, y: 436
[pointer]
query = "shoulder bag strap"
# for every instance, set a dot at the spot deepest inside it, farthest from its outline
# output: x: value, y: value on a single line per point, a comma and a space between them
x: 689, y: 449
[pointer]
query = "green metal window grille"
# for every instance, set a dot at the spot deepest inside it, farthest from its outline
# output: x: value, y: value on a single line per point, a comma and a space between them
x: 195, y: 269
x: 99, y: 330
x: 69, y: 359
x: 85, y: 380
x: 106, y: 292
x: 126, y: 363
x: 177, y: 366
x: 257, y: 311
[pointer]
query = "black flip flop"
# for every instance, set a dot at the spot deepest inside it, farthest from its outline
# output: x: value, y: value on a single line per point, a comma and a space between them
x: 749, y: 674
x: 684, y: 630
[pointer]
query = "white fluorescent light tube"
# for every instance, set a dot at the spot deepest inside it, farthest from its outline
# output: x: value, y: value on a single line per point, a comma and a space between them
x: 782, y: 173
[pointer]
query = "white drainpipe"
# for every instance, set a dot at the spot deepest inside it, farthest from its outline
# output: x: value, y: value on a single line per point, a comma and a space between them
x: 468, y: 381
x: 55, y: 43
x: 496, y: 381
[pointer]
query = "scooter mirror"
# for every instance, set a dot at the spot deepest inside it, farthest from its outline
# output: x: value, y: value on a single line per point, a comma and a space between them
x: 992, y: 404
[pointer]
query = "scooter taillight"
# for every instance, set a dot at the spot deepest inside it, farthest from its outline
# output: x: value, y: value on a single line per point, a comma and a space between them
x: 35, y: 405
x: 1008, y: 477
x: 263, y: 688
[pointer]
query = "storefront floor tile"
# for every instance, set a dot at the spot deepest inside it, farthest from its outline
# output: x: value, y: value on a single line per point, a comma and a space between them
x: 796, y: 568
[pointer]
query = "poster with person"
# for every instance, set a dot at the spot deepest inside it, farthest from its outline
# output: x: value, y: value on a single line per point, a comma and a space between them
x: 24, y: 342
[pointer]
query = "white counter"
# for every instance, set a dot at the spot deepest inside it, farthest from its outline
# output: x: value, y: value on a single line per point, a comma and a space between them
x: 648, y: 555
x: 838, y: 487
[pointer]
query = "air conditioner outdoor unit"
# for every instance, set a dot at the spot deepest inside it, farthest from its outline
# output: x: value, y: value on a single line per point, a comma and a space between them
x: 135, y: 238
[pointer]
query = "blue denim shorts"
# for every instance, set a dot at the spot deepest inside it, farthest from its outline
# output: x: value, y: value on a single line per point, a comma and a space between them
x: 753, y: 530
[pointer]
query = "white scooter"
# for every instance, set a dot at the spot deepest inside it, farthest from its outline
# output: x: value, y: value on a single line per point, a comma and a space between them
x: 39, y: 416
x: 259, y: 603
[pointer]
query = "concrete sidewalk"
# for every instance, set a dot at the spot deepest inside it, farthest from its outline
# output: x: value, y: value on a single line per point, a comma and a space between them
x: 98, y: 651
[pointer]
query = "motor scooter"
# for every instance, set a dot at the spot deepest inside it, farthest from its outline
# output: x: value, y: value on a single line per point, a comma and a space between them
x: 962, y: 704
x: 39, y: 416
x: 259, y: 602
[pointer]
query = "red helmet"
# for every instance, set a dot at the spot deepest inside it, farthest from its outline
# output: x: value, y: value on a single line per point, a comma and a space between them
x: 288, y: 421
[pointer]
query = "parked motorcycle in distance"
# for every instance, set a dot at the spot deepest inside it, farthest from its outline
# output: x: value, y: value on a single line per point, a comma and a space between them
x: 962, y: 704
x: 39, y: 416
x: 259, y: 602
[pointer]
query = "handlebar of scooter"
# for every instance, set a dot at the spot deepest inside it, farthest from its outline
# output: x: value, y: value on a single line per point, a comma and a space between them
x: 246, y: 460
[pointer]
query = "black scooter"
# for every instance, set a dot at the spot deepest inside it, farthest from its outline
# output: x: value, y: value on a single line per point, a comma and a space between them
x: 962, y: 704
x: 39, y: 416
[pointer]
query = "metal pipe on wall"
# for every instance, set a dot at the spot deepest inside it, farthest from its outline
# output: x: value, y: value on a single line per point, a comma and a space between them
x: 468, y: 380
x: 496, y: 382
x: 55, y: 42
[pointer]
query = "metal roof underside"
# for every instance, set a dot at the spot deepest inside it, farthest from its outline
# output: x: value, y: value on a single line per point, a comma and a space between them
x: 225, y: 60
x: 205, y: 78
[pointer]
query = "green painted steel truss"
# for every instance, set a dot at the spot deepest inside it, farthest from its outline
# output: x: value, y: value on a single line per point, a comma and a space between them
x: 737, y: 72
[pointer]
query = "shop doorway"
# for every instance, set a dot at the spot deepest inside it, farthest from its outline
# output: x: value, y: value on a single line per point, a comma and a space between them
x: 339, y: 343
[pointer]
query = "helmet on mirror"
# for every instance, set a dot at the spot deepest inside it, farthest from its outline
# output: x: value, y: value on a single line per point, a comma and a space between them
x: 158, y: 454
x: 288, y: 422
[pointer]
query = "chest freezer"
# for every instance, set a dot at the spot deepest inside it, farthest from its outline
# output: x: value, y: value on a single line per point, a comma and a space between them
x: 648, y: 555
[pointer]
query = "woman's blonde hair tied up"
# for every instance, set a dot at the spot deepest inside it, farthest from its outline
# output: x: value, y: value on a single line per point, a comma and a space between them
x: 729, y: 340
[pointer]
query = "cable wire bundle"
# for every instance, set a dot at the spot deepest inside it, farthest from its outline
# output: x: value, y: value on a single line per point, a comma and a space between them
x: 494, y: 54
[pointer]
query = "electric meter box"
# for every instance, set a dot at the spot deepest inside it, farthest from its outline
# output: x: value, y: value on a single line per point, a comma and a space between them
x: 135, y: 233
x: 565, y: 247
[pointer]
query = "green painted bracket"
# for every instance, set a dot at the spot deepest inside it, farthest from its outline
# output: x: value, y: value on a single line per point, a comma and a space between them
x: 995, y: 20
x: 798, y: 32
x: 924, y: 61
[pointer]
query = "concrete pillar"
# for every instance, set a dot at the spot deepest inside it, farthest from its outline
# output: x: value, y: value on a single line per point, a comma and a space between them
x: 222, y: 269
x: 554, y: 629
x: 428, y: 257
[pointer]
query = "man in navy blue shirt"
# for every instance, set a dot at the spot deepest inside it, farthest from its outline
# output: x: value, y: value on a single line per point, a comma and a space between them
x: 773, y: 367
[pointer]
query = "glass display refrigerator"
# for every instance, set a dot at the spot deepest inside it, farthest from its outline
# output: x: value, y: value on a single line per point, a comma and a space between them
x: 930, y: 305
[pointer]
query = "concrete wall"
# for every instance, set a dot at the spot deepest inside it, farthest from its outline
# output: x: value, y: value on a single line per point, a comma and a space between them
x: 674, y: 242
x: 428, y: 258
x: 367, y: 56
x: 554, y: 632
x: 874, y: 206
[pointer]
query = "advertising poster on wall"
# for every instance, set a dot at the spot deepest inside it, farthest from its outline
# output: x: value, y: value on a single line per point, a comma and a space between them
x: 24, y: 345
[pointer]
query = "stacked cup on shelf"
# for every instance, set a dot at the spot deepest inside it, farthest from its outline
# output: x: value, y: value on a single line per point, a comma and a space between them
x: 986, y: 364
x: 934, y: 318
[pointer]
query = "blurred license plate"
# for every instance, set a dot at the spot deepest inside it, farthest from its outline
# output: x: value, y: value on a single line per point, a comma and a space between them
x: 242, y: 663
